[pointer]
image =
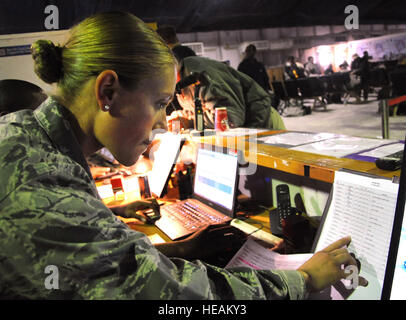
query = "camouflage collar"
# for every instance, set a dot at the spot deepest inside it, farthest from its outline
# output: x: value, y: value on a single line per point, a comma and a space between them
x: 53, y: 118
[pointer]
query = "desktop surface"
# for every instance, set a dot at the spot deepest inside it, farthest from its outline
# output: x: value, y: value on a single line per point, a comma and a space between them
x: 316, y: 166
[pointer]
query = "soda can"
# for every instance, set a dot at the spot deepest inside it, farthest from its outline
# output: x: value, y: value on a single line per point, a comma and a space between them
x: 220, y: 119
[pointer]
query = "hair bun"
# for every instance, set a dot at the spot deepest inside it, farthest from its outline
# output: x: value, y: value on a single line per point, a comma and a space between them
x: 47, y: 60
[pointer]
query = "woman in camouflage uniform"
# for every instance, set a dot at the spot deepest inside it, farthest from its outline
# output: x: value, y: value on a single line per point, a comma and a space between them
x: 58, y: 240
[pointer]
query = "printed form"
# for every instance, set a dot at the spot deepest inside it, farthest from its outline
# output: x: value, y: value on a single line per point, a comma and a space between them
x: 257, y: 257
x: 362, y: 207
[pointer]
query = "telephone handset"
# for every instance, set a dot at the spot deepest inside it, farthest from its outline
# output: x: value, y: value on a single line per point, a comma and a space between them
x: 283, y: 211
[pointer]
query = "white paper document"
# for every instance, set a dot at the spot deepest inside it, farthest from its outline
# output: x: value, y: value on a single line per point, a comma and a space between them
x: 105, y: 191
x: 362, y: 207
x: 342, y: 146
x: 255, y: 256
x: 383, y: 151
x: 295, y: 138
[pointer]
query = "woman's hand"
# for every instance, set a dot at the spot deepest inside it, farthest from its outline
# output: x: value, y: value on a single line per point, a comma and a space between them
x: 207, y: 241
x: 130, y: 210
x: 325, y: 268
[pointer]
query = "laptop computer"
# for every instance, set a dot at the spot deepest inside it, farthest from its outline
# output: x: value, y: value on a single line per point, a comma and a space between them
x: 213, y: 198
x: 164, y: 161
x: 370, y: 209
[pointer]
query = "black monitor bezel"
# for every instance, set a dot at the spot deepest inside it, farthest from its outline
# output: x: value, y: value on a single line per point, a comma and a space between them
x: 396, y: 232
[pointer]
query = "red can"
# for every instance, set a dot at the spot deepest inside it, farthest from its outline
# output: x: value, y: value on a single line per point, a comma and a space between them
x: 220, y: 119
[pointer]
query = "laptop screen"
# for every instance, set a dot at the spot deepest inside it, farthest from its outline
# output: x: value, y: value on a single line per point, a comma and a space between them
x: 215, y: 178
x: 395, y: 275
x: 164, y: 159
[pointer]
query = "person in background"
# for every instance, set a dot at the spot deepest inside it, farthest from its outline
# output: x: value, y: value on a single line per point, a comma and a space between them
x: 329, y: 70
x: 253, y: 68
x: 355, y: 63
x: 51, y: 215
x: 293, y: 70
x: 248, y: 104
x: 344, y: 67
x: 311, y: 68
x: 18, y: 95
x: 168, y: 33
x: 364, y: 73
x: 360, y: 68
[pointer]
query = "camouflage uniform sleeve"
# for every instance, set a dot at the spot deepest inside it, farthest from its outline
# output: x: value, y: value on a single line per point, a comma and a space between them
x: 53, y: 220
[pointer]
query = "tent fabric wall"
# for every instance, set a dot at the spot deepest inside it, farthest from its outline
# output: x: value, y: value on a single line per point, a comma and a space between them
x: 219, y: 45
x: 24, y: 16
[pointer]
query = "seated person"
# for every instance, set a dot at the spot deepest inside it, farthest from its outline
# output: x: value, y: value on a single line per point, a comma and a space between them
x: 51, y: 214
x: 344, y: 67
x: 293, y: 70
x: 329, y: 70
x: 312, y: 69
x: 18, y: 95
x: 248, y: 104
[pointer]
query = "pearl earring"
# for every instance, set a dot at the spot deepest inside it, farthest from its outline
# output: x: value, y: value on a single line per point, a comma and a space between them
x: 106, y: 108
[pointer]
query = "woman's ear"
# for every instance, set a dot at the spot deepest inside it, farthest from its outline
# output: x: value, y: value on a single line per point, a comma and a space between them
x: 106, y: 86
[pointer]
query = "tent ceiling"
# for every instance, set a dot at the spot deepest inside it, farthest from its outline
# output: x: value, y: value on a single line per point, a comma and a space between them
x: 20, y: 16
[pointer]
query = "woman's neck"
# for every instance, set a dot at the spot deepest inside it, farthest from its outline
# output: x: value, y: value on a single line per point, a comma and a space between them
x: 83, y: 110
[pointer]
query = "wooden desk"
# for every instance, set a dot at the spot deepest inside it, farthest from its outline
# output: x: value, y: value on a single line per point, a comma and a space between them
x: 259, y: 220
x: 319, y: 167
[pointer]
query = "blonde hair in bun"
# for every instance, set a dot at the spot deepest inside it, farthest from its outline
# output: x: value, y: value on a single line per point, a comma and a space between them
x: 116, y: 41
x: 47, y: 60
